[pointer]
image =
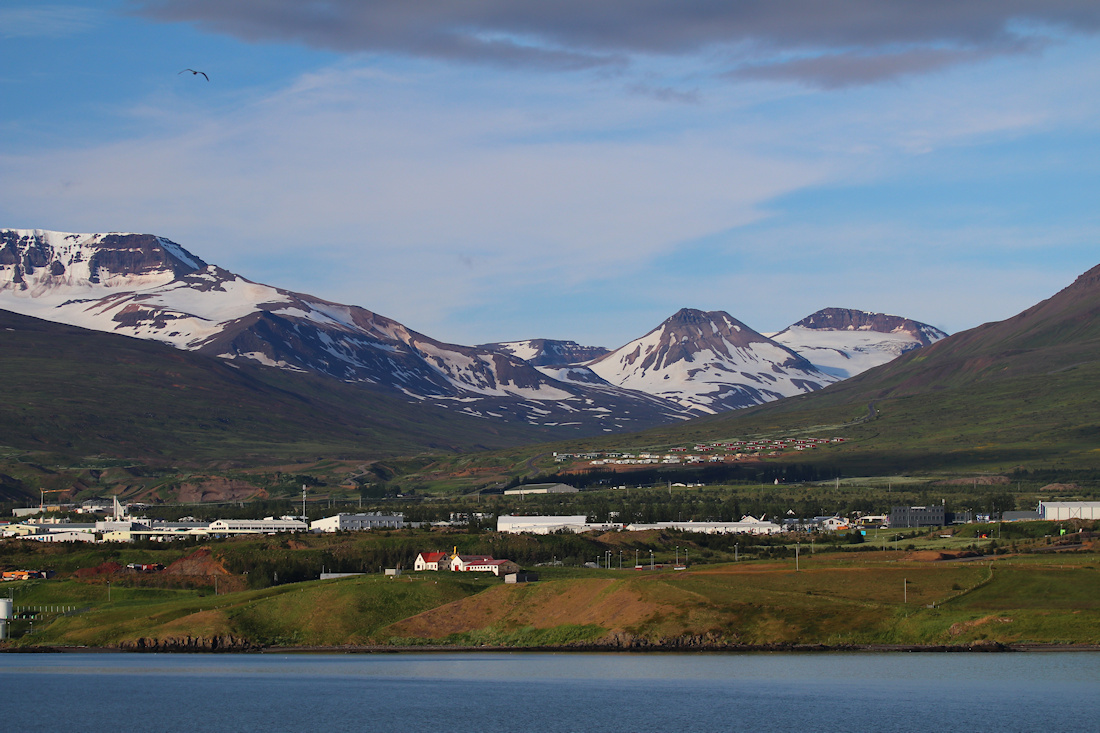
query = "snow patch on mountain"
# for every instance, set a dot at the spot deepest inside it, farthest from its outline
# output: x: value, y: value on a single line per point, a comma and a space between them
x: 845, y: 342
x: 709, y: 362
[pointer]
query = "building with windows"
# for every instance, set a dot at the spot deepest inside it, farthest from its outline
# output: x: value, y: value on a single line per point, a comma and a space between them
x: 357, y: 522
x: 431, y: 561
x: 268, y: 525
x: 918, y: 516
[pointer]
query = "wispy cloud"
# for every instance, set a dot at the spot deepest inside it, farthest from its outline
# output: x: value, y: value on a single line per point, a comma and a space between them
x: 46, y: 21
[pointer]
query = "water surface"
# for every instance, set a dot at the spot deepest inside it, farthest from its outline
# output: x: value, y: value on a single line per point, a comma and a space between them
x: 484, y: 693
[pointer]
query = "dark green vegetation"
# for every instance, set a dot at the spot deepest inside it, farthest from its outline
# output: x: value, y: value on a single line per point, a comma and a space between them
x: 1028, y: 589
x: 1017, y: 401
x: 72, y: 392
x: 1020, y: 395
x: 1024, y: 391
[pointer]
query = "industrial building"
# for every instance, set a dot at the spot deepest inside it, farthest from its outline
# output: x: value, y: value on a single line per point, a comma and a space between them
x: 542, y: 489
x: 268, y: 525
x: 1060, y: 511
x: 543, y: 525
x: 358, y: 522
x: 747, y: 525
x: 918, y: 516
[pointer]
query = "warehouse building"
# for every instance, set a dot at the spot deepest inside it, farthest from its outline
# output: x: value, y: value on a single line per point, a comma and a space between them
x: 542, y: 489
x: 357, y: 522
x: 1060, y: 511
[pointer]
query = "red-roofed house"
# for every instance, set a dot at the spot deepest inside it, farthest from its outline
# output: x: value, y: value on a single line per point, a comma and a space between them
x: 431, y: 560
x: 483, y: 564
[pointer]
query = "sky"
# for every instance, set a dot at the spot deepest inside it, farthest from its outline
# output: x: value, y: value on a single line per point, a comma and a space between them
x: 496, y: 170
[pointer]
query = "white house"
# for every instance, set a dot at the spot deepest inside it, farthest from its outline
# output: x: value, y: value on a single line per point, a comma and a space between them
x: 482, y: 564
x: 431, y: 561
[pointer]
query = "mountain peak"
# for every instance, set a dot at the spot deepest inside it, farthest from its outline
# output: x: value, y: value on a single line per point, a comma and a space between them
x: 547, y: 352
x: 709, y: 361
x: 845, y: 342
x: 847, y: 319
x: 39, y: 260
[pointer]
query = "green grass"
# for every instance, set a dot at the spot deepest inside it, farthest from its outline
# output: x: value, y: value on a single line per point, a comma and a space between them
x: 836, y: 599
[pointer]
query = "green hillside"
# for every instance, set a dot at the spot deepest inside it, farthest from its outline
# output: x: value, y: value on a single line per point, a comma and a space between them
x: 1032, y: 592
x: 75, y: 392
x: 1019, y: 392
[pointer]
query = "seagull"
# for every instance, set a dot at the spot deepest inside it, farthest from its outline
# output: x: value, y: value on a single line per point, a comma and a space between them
x: 196, y: 73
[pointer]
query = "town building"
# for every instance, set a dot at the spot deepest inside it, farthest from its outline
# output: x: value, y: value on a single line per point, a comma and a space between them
x: 542, y: 489
x: 1059, y: 511
x: 747, y: 525
x: 543, y: 525
x: 431, y: 561
x: 918, y: 516
x: 268, y: 525
x: 357, y: 522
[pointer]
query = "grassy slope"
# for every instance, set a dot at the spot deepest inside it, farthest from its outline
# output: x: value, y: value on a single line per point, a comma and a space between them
x: 78, y: 392
x: 835, y: 599
x: 1019, y: 392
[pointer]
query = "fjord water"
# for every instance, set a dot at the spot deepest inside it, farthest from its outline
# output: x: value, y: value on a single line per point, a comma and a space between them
x: 608, y: 693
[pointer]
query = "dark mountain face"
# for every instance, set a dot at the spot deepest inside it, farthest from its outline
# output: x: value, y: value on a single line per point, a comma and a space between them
x: 689, y: 332
x: 845, y: 319
x: 26, y: 252
x: 1049, y: 337
x: 548, y: 352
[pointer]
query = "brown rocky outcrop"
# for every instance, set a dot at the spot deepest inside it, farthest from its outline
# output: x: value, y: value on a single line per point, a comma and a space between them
x: 227, y: 643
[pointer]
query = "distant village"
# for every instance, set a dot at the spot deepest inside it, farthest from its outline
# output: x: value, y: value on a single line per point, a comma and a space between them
x: 719, y: 452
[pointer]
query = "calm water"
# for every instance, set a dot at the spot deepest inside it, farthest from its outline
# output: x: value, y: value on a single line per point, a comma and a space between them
x: 483, y: 693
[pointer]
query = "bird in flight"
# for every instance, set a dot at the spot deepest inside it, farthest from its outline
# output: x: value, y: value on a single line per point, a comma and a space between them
x: 196, y: 73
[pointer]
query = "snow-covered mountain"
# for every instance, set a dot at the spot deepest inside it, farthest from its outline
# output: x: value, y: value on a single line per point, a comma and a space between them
x: 709, y: 362
x: 148, y: 287
x: 548, y: 352
x: 845, y: 342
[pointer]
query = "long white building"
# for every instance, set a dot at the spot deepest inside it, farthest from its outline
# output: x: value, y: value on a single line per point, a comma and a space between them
x: 256, y: 526
x: 1059, y: 511
x: 357, y: 522
x: 544, y: 525
x: 747, y: 525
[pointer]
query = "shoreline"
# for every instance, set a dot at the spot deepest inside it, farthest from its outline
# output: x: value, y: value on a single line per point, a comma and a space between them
x: 986, y: 648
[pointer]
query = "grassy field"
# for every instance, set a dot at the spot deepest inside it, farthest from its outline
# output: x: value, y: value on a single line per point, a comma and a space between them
x: 832, y: 598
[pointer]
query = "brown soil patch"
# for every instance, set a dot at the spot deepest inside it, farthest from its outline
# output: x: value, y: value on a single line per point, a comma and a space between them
x: 963, y: 626
x: 644, y: 537
x: 107, y: 568
x: 1061, y: 488
x: 937, y: 555
x: 200, y: 562
x: 219, y: 489
x: 611, y: 604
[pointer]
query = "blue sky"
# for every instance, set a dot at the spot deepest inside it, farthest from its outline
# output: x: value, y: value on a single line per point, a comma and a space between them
x: 498, y: 170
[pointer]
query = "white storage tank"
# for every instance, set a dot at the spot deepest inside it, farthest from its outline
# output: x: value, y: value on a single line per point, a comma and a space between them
x: 6, y: 612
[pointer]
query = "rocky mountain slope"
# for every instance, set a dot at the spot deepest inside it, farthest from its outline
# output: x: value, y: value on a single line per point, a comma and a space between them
x: 709, y: 362
x: 548, y: 352
x: 845, y: 342
x: 1013, y: 394
x: 148, y: 287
